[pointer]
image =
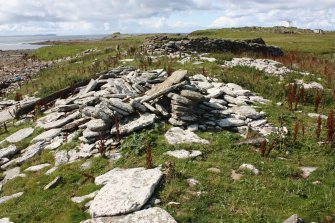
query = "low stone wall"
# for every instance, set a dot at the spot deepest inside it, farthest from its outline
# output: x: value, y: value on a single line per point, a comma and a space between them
x: 164, y: 44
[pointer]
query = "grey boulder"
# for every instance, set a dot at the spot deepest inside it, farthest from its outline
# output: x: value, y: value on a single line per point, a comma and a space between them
x: 47, y: 136
x: 177, y: 135
x: 126, y: 190
x: 20, y: 135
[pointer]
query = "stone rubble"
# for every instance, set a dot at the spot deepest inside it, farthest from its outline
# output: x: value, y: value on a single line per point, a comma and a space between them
x: 10, y: 197
x: 27, y: 153
x: 163, y: 44
x: 23, y: 68
x: 269, y: 66
x: 125, y: 100
x: 134, y: 100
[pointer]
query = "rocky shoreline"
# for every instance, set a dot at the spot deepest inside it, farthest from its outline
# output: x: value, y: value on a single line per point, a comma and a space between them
x: 17, y: 67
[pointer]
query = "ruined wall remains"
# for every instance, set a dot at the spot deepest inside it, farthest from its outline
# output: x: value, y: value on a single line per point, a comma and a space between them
x: 163, y: 44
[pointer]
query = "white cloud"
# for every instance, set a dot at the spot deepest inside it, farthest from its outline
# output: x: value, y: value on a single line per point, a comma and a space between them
x: 101, y: 16
x: 224, y: 21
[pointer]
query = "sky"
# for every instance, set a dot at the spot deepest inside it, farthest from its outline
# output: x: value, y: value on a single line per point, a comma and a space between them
x: 82, y: 17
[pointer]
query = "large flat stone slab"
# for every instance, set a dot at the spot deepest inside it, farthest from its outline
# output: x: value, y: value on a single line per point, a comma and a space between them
x: 30, y: 152
x: 90, y: 87
x: 151, y: 215
x: 97, y: 125
x: 117, y: 104
x: 175, y: 78
x: 230, y: 122
x: 246, y: 111
x: 49, y: 118
x: 37, y: 167
x: 144, y: 121
x: 8, y: 152
x: 11, y: 174
x: 60, y: 122
x: 47, y: 136
x: 20, y: 135
x: 6, y: 115
x: 126, y: 190
x: 177, y: 135
x: 184, y: 154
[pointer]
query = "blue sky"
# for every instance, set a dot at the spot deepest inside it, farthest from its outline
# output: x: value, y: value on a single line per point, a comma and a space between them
x: 64, y: 17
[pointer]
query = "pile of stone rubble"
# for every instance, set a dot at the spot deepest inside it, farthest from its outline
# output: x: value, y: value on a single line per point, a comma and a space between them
x: 163, y: 44
x: 269, y: 66
x: 133, y: 100
x: 126, y: 100
x: 120, y: 102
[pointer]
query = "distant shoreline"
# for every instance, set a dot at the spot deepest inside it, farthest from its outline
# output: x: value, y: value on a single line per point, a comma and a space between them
x: 34, y: 42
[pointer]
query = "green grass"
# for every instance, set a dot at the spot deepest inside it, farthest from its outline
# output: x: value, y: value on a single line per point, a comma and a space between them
x: 71, y: 49
x: 301, y: 42
x: 270, y: 197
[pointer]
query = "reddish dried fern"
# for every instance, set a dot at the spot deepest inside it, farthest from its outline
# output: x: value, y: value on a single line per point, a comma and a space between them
x: 318, y: 128
x: 148, y: 156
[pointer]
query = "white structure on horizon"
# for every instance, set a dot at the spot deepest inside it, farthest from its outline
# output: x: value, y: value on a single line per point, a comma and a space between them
x: 318, y: 31
x: 289, y: 22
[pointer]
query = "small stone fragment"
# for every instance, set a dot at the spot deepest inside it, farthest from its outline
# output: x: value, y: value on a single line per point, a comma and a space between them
x: 247, y: 166
x: 183, y: 154
x: 37, y: 167
x: 192, y: 182
x: 10, y: 197
x: 294, y: 219
x: 307, y: 170
x: 53, y: 183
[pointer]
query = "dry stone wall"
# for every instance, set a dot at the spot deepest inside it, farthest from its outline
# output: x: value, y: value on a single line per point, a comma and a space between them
x: 164, y: 44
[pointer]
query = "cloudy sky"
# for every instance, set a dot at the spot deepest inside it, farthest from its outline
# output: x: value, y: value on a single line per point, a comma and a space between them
x: 65, y: 17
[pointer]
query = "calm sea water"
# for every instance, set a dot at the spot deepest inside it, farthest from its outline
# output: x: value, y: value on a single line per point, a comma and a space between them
x: 25, y: 42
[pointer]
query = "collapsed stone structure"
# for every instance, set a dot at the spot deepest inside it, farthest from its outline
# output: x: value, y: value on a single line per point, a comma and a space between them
x: 125, y: 100
x: 163, y: 44
x: 122, y: 101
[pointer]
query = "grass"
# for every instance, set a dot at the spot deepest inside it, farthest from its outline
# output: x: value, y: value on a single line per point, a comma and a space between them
x: 300, y: 42
x: 273, y: 196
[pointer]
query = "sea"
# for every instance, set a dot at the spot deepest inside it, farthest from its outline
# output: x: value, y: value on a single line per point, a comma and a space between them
x: 27, y: 42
